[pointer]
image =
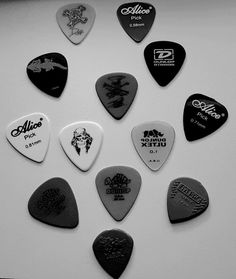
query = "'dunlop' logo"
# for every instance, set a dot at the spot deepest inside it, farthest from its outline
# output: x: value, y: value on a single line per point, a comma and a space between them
x: 153, y: 138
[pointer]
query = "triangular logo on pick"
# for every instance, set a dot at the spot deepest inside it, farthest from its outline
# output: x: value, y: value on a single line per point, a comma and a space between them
x: 153, y: 141
x: 113, y: 249
x: 186, y: 199
x: 116, y: 91
x: 202, y: 116
x: 54, y: 203
x: 118, y: 188
x: 49, y: 73
x: 30, y: 136
x: 136, y: 19
x: 75, y: 21
x: 81, y: 142
x: 164, y: 60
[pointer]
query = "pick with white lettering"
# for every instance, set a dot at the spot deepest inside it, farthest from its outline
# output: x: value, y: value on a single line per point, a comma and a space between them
x: 186, y: 199
x: 81, y: 142
x: 202, y: 116
x: 164, y: 60
x: 75, y: 21
x: 136, y: 19
x: 29, y: 135
x: 54, y: 203
x: 118, y: 188
x: 113, y: 250
x: 153, y: 141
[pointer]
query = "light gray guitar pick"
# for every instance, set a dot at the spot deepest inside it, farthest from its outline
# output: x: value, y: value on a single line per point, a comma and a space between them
x: 153, y: 141
x: 75, y: 21
x: 118, y: 188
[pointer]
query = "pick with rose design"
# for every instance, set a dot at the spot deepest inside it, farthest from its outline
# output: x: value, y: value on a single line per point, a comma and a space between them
x: 202, y: 116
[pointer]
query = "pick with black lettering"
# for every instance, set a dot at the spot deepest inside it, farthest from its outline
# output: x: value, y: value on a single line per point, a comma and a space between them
x: 202, y: 116
x: 116, y: 91
x: 153, y: 141
x: 164, y: 60
x: 30, y: 135
x: 118, y: 188
x: 136, y: 19
x: 49, y: 72
x: 186, y: 199
x: 53, y: 203
x: 113, y: 249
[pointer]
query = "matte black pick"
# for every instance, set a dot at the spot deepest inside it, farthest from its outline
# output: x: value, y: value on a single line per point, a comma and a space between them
x: 49, y: 73
x: 186, y: 199
x: 136, y: 19
x: 116, y: 91
x: 113, y: 250
x: 164, y: 59
x: 202, y: 116
x: 54, y: 203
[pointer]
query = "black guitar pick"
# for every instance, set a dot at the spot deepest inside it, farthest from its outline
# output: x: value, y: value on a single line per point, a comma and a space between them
x: 116, y: 91
x: 186, y: 199
x: 49, y: 73
x: 54, y: 203
x: 164, y: 60
x: 202, y: 116
x: 113, y: 250
x: 136, y: 19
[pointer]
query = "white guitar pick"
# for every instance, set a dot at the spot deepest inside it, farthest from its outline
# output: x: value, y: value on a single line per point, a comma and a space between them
x: 153, y: 142
x: 30, y: 136
x: 81, y: 142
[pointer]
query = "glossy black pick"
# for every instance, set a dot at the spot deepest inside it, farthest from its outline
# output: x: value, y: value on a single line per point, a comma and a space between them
x: 202, y: 116
x: 49, y: 73
x: 54, y: 203
x: 136, y: 19
x: 113, y: 250
x: 186, y: 199
x: 164, y: 60
x: 116, y: 91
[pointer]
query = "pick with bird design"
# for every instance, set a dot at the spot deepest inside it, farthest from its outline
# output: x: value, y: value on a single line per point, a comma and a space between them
x: 164, y: 60
x: 136, y: 19
x: 81, y: 142
x: 153, y: 141
x: 75, y: 21
x: 113, y: 249
x: 202, y: 116
x: 186, y: 199
x: 116, y: 91
x: 118, y: 188
x: 54, y: 203
x: 49, y: 73
x: 30, y: 135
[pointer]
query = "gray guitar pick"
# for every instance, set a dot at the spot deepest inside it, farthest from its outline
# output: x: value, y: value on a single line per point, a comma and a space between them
x: 118, y: 188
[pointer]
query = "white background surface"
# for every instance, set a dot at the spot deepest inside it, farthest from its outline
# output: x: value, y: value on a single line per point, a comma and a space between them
x: 204, y: 247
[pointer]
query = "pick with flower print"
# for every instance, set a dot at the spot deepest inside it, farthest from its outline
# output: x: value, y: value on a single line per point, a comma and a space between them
x: 75, y: 21
x: 202, y: 116
x: 30, y: 135
x: 153, y: 141
x: 81, y: 142
x: 118, y: 188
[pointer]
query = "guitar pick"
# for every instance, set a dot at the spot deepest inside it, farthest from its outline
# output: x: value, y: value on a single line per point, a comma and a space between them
x: 116, y: 91
x: 186, y: 199
x: 202, y: 116
x: 75, y: 21
x: 136, y: 19
x: 113, y: 249
x: 81, y: 142
x: 153, y: 141
x: 30, y: 136
x: 118, y: 188
x: 164, y: 60
x: 53, y: 203
x: 49, y: 72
